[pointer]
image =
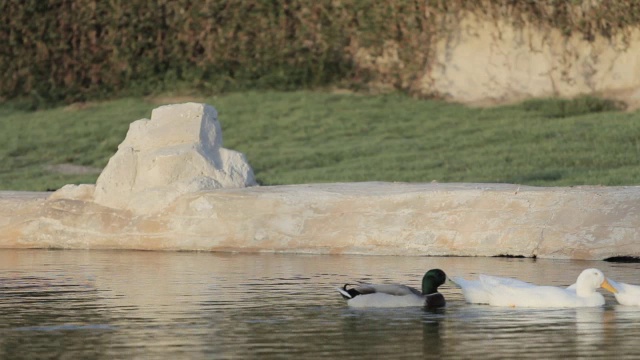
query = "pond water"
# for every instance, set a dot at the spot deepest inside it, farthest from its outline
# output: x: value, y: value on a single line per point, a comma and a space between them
x: 130, y: 304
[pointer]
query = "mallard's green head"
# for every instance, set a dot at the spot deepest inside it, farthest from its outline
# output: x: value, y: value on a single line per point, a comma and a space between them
x: 431, y: 280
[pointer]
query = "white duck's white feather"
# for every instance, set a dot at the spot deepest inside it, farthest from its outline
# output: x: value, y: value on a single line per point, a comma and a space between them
x: 627, y: 294
x: 582, y: 295
x: 475, y: 292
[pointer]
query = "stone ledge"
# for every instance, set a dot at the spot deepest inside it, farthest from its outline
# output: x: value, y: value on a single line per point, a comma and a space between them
x: 372, y: 218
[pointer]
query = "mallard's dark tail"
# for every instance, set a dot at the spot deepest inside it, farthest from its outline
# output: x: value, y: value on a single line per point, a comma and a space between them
x: 348, y: 293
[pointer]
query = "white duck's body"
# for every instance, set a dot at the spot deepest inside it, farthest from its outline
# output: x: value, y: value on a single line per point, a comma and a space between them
x: 499, y: 291
x: 628, y: 295
x: 528, y: 295
x: 475, y: 291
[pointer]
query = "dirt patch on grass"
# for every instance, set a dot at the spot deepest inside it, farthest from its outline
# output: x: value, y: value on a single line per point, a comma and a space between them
x: 80, y: 106
x: 72, y: 169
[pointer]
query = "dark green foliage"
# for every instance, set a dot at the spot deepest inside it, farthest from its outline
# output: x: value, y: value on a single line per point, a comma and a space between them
x: 78, y: 50
x: 83, y: 49
x: 559, y: 108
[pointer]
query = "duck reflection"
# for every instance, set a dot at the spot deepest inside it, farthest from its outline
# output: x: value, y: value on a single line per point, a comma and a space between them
x: 432, y: 334
x: 589, y: 330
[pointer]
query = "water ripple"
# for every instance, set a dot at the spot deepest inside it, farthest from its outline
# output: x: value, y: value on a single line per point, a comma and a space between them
x: 149, y: 305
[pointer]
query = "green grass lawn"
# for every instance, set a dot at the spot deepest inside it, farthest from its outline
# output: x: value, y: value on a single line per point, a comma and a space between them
x: 307, y: 137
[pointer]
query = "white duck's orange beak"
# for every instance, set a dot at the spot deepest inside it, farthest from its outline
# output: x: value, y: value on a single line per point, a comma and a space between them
x: 605, y: 285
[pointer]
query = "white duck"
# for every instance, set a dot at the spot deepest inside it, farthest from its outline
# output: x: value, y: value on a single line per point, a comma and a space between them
x: 528, y: 295
x: 396, y: 295
x: 475, y: 292
x: 626, y: 294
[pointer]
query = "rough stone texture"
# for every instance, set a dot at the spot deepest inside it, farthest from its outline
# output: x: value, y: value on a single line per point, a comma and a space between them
x: 490, y: 61
x: 178, y: 151
x: 355, y: 218
x: 18, y: 208
x: 82, y: 192
x: 171, y: 186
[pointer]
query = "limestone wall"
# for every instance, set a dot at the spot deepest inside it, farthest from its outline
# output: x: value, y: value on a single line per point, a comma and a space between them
x: 172, y: 186
x: 489, y: 61
x: 354, y: 218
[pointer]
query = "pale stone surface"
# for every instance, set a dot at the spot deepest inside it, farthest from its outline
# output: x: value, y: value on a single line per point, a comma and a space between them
x: 491, y: 61
x: 354, y: 218
x: 82, y: 192
x: 178, y: 151
x: 171, y: 186
x: 17, y: 208
x: 483, y: 60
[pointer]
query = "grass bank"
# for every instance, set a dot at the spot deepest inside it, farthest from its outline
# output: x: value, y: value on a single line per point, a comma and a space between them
x: 307, y: 137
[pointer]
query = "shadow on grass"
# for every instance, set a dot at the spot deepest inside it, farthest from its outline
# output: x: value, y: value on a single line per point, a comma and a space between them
x: 542, y: 176
x: 561, y: 108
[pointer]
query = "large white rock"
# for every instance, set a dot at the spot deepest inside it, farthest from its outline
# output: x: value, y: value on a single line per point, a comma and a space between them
x: 178, y: 151
x: 165, y: 190
x: 590, y: 222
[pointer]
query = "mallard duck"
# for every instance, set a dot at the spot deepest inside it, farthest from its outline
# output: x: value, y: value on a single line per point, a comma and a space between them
x: 528, y: 295
x: 475, y: 292
x: 396, y: 295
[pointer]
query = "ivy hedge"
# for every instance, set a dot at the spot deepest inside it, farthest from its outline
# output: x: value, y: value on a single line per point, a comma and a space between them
x: 76, y: 50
